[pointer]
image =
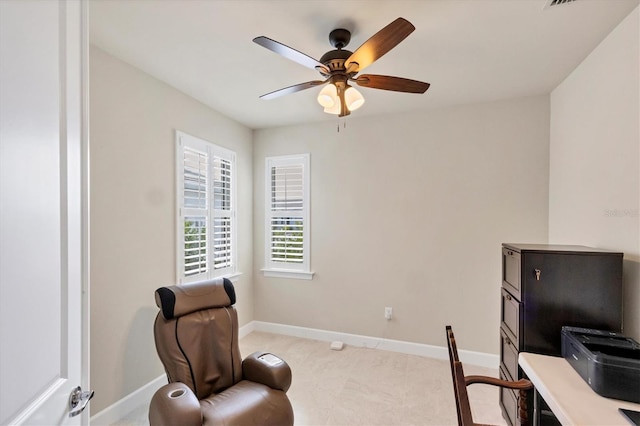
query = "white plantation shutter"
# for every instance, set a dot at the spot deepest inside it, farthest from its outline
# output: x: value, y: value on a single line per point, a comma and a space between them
x: 222, y: 222
x: 287, y: 239
x: 287, y: 213
x: 194, y: 189
x: 195, y: 169
x: 222, y: 243
x: 287, y: 207
x: 206, y: 209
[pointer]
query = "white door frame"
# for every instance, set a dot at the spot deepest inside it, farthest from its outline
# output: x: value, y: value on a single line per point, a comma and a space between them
x: 53, y: 37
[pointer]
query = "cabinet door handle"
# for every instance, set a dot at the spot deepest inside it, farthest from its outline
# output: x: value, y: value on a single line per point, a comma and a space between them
x: 507, y: 341
x: 508, y: 296
x: 537, y: 272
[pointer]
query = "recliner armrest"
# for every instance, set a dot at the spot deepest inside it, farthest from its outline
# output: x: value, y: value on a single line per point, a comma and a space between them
x: 175, y: 404
x: 267, y: 369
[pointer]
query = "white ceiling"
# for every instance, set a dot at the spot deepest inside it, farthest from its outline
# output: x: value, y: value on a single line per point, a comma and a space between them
x: 469, y: 50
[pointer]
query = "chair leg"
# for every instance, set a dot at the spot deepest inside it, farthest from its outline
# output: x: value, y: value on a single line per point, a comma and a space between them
x: 522, y: 408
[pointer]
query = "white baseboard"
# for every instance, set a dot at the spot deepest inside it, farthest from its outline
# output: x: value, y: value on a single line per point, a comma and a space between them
x: 143, y: 395
x: 470, y: 357
x: 135, y: 399
x: 246, y: 329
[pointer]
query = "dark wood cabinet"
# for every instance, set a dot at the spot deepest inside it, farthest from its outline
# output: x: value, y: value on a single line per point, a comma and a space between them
x: 545, y: 287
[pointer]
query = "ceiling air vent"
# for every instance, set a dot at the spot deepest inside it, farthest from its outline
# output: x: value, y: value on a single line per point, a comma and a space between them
x: 550, y: 3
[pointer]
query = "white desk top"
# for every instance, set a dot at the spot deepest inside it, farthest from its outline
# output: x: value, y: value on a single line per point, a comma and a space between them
x: 569, y: 396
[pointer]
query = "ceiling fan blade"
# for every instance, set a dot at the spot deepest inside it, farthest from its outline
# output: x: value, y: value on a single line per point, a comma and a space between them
x: 293, y: 89
x: 290, y: 53
x: 380, y: 43
x: 397, y: 84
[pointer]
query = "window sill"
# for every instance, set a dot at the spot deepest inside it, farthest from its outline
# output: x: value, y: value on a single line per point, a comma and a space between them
x: 235, y: 276
x: 284, y: 273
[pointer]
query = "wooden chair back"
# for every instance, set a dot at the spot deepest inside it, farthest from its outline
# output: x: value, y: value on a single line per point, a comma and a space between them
x: 460, y: 383
x: 463, y: 407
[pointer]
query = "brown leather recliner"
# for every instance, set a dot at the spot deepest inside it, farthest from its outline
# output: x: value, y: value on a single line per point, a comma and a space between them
x: 196, y: 334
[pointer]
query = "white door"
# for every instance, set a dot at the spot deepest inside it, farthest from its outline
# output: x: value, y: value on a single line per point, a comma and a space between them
x: 43, y: 210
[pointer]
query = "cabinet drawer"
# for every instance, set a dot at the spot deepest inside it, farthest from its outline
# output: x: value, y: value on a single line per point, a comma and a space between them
x: 511, y: 271
x: 510, y: 317
x: 508, y: 356
x: 508, y: 402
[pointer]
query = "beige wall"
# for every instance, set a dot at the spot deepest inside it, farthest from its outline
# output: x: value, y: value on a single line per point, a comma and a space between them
x: 409, y: 211
x: 595, y: 157
x: 133, y: 117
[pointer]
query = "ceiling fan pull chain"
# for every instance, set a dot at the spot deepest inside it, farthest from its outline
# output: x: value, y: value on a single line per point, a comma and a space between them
x: 344, y: 124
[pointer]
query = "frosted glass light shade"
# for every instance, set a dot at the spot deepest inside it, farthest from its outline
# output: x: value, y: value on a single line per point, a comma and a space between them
x: 328, y: 96
x: 335, y: 109
x: 353, y: 99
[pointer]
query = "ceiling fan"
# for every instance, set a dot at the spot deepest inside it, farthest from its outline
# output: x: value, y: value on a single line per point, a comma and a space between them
x: 339, y: 68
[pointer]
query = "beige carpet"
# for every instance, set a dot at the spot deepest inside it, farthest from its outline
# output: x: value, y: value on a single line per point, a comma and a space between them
x: 359, y: 386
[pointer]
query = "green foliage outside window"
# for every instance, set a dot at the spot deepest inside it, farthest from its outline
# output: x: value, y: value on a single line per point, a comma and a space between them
x: 195, y: 246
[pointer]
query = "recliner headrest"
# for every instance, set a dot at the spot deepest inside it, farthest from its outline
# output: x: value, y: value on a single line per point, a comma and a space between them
x: 176, y: 301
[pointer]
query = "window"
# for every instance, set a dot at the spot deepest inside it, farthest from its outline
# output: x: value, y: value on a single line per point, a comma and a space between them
x: 287, y: 217
x: 206, y: 209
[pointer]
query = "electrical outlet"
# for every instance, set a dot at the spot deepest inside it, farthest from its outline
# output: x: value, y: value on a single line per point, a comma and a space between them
x: 388, y: 312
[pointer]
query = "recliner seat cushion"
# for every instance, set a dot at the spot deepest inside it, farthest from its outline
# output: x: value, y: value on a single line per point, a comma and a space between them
x: 244, y: 404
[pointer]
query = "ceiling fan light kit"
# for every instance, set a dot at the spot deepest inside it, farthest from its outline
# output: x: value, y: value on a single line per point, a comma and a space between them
x: 340, y: 66
x: 353, y: 98
x: 327, y: 96
x: 336, y: 99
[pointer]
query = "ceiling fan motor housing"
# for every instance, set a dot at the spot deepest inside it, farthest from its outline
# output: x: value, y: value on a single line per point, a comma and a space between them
x: 339, y: 38
x: 334, y: 59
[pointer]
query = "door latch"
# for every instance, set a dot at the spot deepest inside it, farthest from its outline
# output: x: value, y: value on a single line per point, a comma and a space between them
x: 538, y: 272
x: 78, y: 397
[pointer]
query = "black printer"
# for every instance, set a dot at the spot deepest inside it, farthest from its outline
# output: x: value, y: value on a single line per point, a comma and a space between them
x: 609, y: 362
